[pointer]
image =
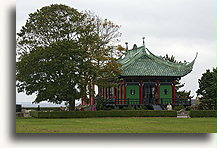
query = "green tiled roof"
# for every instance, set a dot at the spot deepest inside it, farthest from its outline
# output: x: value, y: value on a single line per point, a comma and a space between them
x: 141, y: 62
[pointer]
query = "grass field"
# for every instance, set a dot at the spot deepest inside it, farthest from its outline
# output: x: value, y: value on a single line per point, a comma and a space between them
x: 116, y: 125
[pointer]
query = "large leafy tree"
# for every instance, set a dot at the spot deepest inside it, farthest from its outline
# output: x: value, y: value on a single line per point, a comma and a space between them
x: 207, y: 90
x: 49, y: 25
x: 61, y: 51
x: 102, y: 51
x: 53, y: 72
x: 179, y: 93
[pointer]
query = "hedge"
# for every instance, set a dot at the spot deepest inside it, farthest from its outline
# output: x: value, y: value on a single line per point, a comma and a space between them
x: 34, y: 114
x: 203, y: 113
x: 43, y: 108
x: 92, y: 114
x: 119, y: 113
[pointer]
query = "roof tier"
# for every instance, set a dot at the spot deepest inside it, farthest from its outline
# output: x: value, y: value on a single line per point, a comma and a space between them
x: 141, y: 62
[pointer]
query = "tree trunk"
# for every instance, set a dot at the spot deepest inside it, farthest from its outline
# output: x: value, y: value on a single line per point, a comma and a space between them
x: 72, y: 105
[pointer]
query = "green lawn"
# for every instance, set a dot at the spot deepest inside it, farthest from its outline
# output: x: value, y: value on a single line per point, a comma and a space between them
x: 116, y: 125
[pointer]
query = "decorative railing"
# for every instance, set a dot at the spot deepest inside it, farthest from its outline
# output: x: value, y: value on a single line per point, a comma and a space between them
x: 164, y: 101
x: 176, y: 101
x: 124, y: 101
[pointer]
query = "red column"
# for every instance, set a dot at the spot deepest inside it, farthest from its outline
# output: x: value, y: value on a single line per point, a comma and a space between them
x: 125, y: 92
x: 108, y: 93
x: 174, y: 91
x: 82, y: 101
x: 120, y: 100
x: 103, y: 92
x: 158, y: 91
x: 141, y: 91
x: 115, y: 94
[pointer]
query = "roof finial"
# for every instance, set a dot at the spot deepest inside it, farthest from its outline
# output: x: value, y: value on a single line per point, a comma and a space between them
x: 126, y: 45
x: 143, y: 41
x: 144, y: 48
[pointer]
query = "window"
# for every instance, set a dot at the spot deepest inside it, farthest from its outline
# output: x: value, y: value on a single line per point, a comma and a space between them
x: 132, y: 92
x: 165, y: 91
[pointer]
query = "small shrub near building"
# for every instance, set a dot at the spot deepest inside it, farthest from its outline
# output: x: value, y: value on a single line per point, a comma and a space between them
x: 177, y: 108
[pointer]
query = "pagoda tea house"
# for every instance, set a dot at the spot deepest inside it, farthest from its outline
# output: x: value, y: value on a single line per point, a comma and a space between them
x: 146, y: 79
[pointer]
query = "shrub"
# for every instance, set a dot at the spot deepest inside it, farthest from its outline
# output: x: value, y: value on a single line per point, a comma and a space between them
x: 142, y: 108
x: 203, y: 113
x: 34, y: 114
x: 129, y: 108
x: 100, y: 105
x: 116, y: 108
x: 188, y: 108
x: 177, y: 108
x: 194, y: 107
x: 108, y: 108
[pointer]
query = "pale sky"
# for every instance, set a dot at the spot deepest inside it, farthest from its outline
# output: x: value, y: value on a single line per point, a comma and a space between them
x: 175, y: 27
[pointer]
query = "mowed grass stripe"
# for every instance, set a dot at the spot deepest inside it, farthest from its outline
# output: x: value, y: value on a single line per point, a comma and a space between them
x: 116, y: 125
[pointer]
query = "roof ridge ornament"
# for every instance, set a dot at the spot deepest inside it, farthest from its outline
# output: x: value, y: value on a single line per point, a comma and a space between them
x: 196, y: 55
x: 126, y: 46
x: 143, y: 41
x: 134, y: 46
